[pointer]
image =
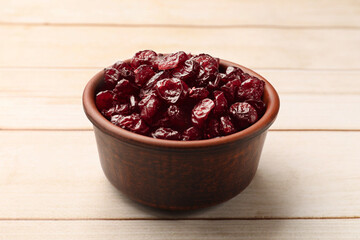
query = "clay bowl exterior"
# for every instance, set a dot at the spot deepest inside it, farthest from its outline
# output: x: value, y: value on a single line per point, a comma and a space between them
x: 179, y: 175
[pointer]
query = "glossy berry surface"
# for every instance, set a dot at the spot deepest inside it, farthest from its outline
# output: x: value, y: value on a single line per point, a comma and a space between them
x: 244, y: 114
x: 179, y: 96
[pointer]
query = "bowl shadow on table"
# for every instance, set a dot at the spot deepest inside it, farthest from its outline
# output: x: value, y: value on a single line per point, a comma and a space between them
x: 267, y: 197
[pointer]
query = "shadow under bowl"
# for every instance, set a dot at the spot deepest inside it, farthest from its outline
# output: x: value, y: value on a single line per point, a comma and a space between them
x: 179, y: 175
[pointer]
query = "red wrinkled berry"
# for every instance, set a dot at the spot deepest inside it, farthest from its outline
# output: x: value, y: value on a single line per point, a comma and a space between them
x: 187, y: 71
x: 212, y: 128
x: 245, y: 76
x: 206, y: 76
x: 125, y: 87
x: 179, y: 96
x: 221, y: 105
x: 206, y: 61
x: 192, y: 133
x: 244, y: 114
x: 201, y: 112
x: 149, y: 106
x: 166, y: 133
x: 125, y: 70
x: 172, y: 60
x: 226, y: 126
x: 119, y: 109
x: 111, y: 76
x: 147, y: 57
x: 143, y: 74
x: 214, y: 84
x: 133, y: 103
x: 169, y: 89
x: 132, y: 123
x: 253, y: 88
x: 230, y: 89
x: 259, y: 106
x: 104, y: 100
x: 233, y: 72
x: 154, y: 79
x: 178, y: 117
x: 197, y: 94
x: 161, y: 120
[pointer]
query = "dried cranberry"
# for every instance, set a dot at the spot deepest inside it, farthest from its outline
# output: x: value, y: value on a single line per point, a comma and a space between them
x: 147, y: 57
x: 206, y: 76
x: 178, y: 117
x: 215, y: 83
x: 233, y: 72
x: 212, y: 128
x: 149, y: 106
x: 172, y: 60
x: 187, y: 71
x: 230, y: 89
x: 206, y: 61
x: 125, y: 87
x: 161, y: 120
x: 166, y: 133
x: 244, y: 114
x: 221, y: 105
x: 201, y: 112
x: 151, y: 96
x: 133, y: 103
x: 119, y: 109
x: 185, y: 90
x: 143, y: 74
x: 192, y: 133
x: 125, y: 70
x: 104, y: 100
x: 197, y: 94
x: 154, y: 79
x: 208, y: 69
x: 132, y: 123
x: 226, y: 125
x: 258, y: 105
x: 253, y: 88
x: 111, y: 76
x: 245, y: 76
x: 169, y: 89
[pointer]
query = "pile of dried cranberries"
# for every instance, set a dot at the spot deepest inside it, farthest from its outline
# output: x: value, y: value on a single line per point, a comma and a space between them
x: 179, y: 96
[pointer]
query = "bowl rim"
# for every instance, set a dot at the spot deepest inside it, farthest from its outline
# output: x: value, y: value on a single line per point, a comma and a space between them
x: 99, y: 121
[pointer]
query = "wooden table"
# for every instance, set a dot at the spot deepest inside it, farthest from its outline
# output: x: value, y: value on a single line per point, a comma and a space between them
x: 308, y: 182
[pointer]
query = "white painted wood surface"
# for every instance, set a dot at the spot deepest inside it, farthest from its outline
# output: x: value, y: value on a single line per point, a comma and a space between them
x: 305, y: 13
x: 51, y: 182
x: 344, y: 229
x: 74, y: 47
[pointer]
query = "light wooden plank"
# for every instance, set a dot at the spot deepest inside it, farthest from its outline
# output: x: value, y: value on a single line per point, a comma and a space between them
x: 301, y: 111
x: 57, y: 175
x: 203, y: 12
x: 25, y: 46
x: 239, y: 229
x: 70, y: 83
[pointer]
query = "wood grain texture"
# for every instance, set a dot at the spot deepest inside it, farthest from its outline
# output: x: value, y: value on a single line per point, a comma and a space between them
x: 71, y: 83
x: 44, y: 46
x: 57, y: 175
x: 297, y: 111
x: 228, y: 13
x: 240, y: 229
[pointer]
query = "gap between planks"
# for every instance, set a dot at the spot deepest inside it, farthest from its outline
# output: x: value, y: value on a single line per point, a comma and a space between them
x: 122, y: 25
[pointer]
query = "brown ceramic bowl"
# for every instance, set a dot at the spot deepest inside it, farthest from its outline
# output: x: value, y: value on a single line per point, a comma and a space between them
x: 179, y: 175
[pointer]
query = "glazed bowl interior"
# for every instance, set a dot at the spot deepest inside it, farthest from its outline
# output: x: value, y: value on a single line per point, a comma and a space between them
x: 270, y: 98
